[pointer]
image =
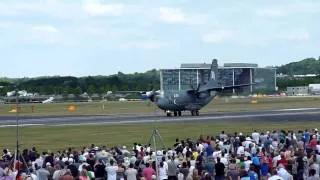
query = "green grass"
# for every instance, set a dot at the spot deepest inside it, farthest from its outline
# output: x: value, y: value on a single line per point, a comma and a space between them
x: 217, y: 105
x: 61, y: 137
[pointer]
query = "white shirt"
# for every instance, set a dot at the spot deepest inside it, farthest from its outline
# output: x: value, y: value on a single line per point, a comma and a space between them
x: 163, y: 173
x: 112, y: 172
x: 247, y: 143
x: 284, y: 174
x: 165, y: 165
x: 216, y: 154
x: 275, y: 177
x: 240, y: 150
x: 315, y: 166
x: 146, y: 159
x: 184, y: 150
x: 256, y: 137
x: 224, y: 161
x: 247, y: 164
x: 200, y: 147
x: 318, y: 147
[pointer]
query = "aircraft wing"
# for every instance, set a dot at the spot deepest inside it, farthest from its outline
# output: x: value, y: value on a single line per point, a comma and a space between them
x: 221, y: 88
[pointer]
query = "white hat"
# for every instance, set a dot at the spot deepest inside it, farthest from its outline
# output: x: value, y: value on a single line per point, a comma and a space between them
x: 48, y: 164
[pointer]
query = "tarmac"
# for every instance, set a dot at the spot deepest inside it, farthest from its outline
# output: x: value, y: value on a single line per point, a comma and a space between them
x: 301, y: 114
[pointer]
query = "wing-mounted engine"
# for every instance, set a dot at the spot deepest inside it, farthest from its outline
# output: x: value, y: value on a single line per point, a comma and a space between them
x: 152, y: 95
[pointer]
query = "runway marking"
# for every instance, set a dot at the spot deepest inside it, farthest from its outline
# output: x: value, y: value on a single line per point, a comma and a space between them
x: 22, y: 125
x: 298, y: 109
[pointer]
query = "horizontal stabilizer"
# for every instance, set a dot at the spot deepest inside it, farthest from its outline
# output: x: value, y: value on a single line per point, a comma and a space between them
x: 221, y: 88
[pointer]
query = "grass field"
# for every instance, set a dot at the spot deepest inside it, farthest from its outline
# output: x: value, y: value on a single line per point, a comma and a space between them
x: 57, y: 138
x: 217, y: 105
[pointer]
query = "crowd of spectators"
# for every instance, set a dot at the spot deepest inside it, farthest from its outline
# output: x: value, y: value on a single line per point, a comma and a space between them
x: 272, y: 155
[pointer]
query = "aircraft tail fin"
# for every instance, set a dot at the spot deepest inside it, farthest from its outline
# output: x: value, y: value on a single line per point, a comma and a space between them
x: 213, y: 70
x: 212, y: 81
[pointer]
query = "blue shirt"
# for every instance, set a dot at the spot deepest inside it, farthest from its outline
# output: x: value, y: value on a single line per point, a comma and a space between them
x: 209, y: 151
x: 256, y: 161
x: 253, y: 175
x: 264, y: 169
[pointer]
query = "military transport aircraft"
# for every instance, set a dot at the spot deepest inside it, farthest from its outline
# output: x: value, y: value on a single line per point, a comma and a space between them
x: 190, y: 100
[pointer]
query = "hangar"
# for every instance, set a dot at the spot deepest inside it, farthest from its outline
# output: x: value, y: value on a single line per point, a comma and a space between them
x: 190, y: 75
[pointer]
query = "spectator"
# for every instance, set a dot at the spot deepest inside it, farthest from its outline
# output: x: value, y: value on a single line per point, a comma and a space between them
x: 219, y: 167
x: 131, y: 173
x: 148, y: 172
x: 84, y: 175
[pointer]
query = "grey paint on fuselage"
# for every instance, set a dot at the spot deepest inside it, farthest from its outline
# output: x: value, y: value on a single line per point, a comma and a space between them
x: 184, y: 101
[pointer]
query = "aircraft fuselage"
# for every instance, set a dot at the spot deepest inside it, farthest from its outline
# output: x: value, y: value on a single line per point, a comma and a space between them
x: 184, y: 102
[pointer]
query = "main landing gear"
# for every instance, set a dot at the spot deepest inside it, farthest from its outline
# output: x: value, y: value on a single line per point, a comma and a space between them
x: 194, y: 113
x: 175, y: 113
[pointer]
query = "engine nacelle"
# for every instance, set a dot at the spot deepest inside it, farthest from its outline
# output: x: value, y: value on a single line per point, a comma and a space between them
x: 150, y: 93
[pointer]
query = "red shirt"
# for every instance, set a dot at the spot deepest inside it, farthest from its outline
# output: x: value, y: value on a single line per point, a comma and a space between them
x: 148, y: 172
x: 313, y: 144
x: 270, y: 162
x: 283, y: 161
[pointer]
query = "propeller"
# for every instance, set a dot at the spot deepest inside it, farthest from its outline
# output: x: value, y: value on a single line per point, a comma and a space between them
x: 196, y: 91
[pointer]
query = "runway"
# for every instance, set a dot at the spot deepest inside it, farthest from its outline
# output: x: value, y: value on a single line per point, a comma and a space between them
x: 303, y: 114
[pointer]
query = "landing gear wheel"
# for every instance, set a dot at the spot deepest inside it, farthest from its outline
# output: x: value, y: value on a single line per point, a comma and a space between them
x: 175, y: 113
x: 192, y: 113
x: 179, y: 113
x: 168, y: 114
x: 197, y: 113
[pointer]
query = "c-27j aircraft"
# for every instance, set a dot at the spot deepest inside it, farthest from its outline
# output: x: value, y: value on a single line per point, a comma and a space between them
x: 190, y: 100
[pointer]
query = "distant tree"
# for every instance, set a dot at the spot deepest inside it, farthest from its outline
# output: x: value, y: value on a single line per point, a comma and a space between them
x: 77, y: 90
x: 91, y: 89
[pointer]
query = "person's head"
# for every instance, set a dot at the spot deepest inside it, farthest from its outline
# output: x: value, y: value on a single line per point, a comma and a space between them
x: 243, y: 173
x: 161, y: 164
x: 57, y: 166
x: 131, y: 165
x: 163, y: 158
x: 147, y: 165
x: 111, y: 162
x: 251, y: 168
x: 218, y: 159
x: 68, y: 172
x: 184, y: 164
x: 312, y: 172
x: 274, y: 171
x: 84, y: 172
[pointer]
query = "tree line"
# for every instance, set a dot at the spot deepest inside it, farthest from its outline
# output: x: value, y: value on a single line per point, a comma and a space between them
x: 91, y: 84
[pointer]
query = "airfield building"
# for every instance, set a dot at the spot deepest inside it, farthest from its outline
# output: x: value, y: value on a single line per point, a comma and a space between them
x: 190, y: 75
x: 298, y: 91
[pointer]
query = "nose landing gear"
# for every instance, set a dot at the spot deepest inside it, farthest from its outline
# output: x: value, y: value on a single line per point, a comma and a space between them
x: 194, y: 113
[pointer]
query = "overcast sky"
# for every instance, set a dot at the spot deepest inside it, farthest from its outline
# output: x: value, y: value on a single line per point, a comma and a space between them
x: 81, y: 38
